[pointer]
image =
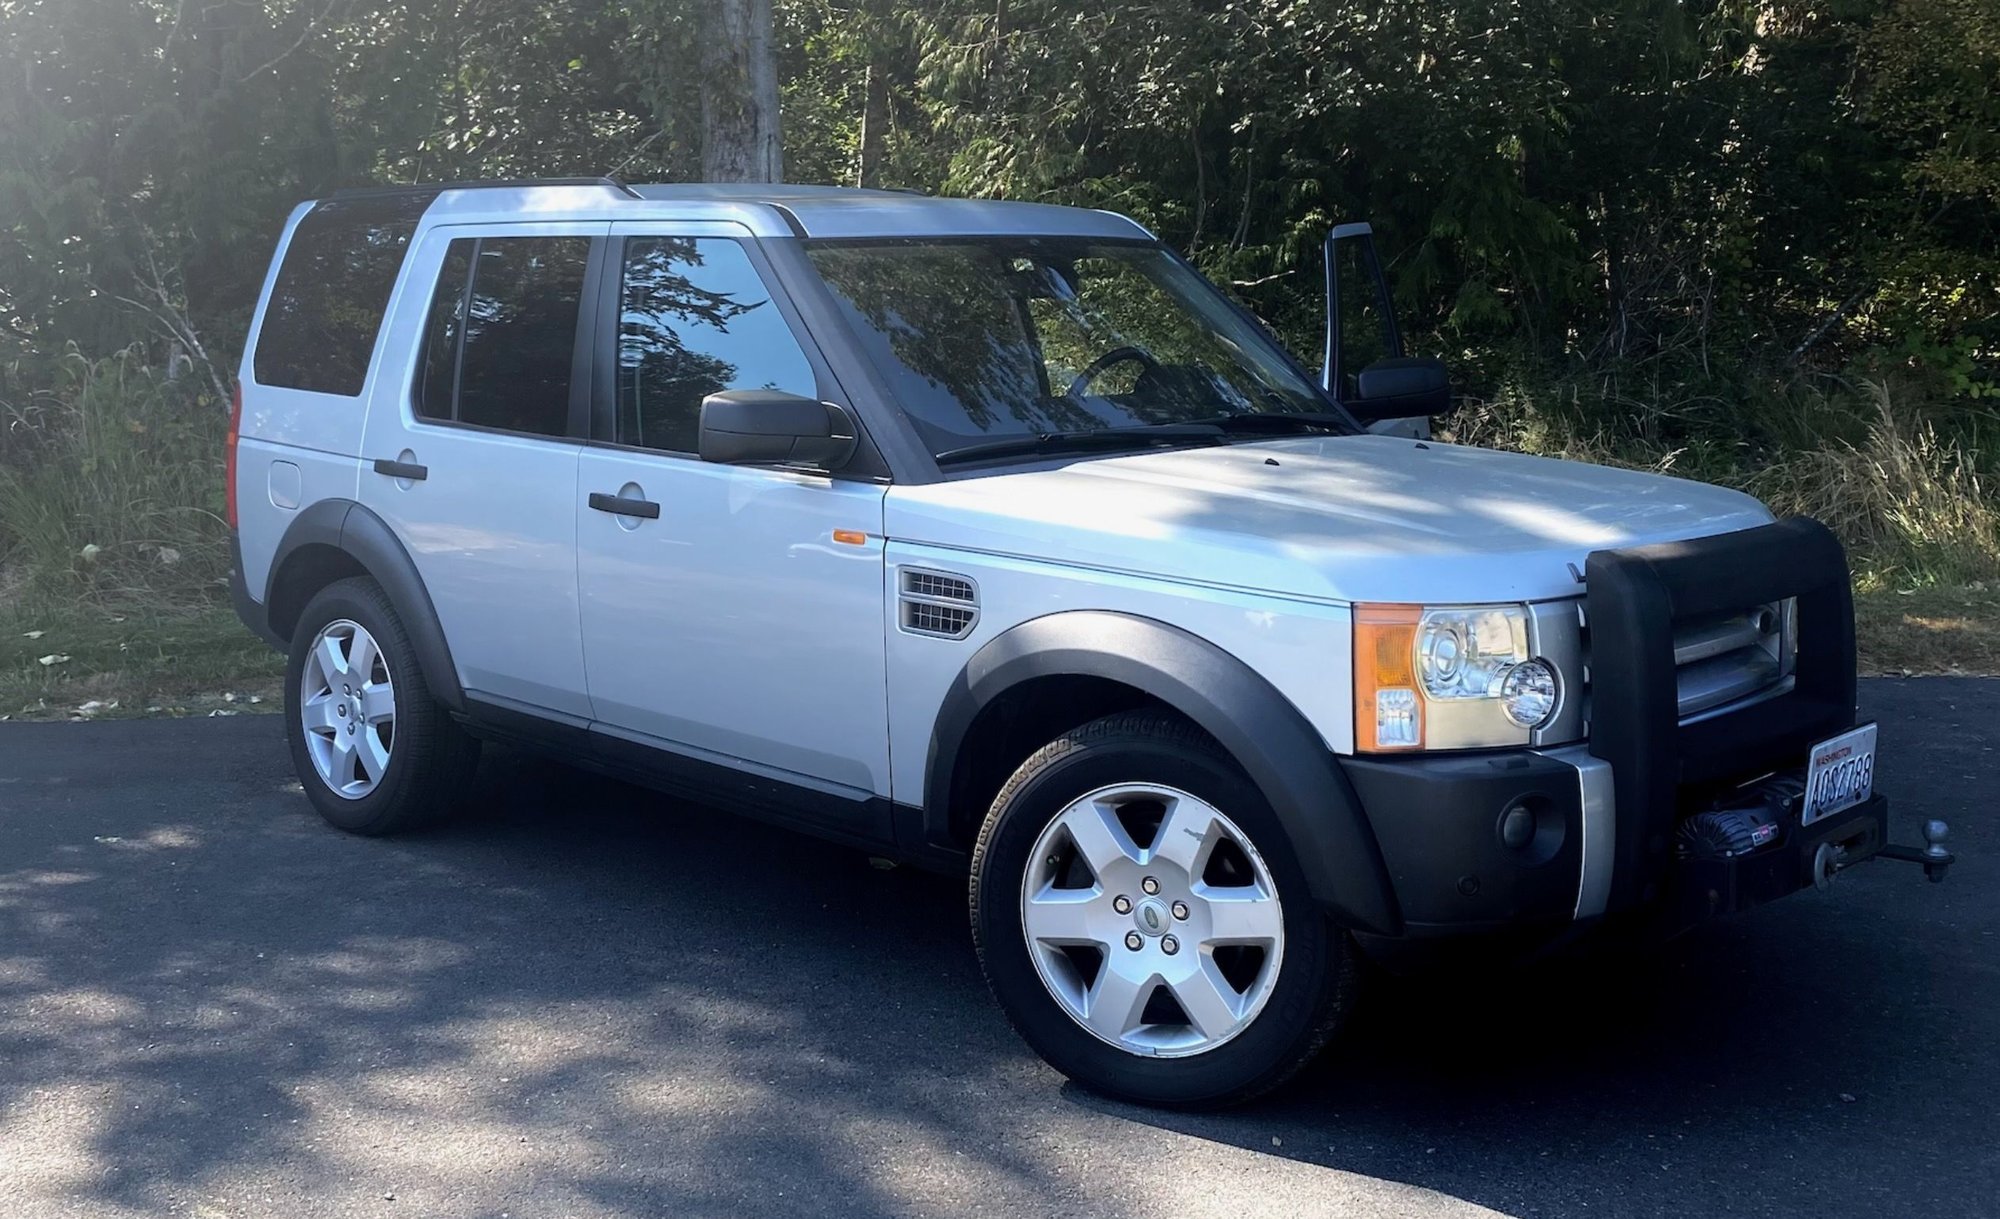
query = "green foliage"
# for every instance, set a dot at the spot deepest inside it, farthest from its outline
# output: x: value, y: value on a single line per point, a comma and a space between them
x: 1667, y: 226
x: 1908, y: 487
x: 110, y: 484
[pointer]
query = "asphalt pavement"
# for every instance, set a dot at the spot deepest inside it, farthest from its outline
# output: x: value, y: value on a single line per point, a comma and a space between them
x: 583, y: 1000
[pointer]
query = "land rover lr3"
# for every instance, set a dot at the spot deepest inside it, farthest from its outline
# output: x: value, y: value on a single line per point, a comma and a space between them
x: 990, y: 535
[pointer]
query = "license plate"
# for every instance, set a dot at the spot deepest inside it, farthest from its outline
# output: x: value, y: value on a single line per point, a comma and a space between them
x: 1840, y: 775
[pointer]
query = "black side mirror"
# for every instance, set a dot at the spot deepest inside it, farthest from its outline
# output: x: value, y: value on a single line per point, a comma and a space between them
x: 1399, y: 387
x: 1404, y: 387
x: 768, y: 427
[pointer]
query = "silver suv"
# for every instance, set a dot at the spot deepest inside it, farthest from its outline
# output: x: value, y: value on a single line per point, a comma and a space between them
x: 991, y: 536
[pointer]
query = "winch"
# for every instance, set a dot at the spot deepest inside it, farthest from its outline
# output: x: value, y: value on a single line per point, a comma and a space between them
x: 1752, y: 845
x: 1724, y: 833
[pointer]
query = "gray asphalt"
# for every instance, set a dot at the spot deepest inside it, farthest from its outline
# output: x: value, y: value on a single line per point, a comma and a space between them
x: 585, y: 1000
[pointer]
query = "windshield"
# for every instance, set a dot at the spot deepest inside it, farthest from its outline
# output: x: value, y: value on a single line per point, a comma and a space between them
x: 990, y: 339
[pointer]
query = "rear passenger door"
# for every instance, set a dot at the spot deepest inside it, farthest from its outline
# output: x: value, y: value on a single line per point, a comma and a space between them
x: 741, y: 620
x: 475, y: 464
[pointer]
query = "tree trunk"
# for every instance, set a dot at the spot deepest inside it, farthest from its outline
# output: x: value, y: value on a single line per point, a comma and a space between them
x: 874, y: 21
x: 1617, y: 321
x: 739, y: 97
x: 874, y: 121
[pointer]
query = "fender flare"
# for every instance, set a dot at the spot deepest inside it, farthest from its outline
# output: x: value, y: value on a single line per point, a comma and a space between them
x: 366, y: 538
x: 1268, y: 736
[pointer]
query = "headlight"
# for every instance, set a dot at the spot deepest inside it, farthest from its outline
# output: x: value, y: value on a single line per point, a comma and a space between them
x: 1466, y: 653
x: 1452, y: 678
x: 1528, y: 693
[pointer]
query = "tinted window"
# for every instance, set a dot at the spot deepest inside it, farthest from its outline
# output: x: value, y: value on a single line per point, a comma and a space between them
x: 695, y: 319
x: 519, y: 336
x: 438, y: 377
x: 1006, y: 337
x: 326, y: 306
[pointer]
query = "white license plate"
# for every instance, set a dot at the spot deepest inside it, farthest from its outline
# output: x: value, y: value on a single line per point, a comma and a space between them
x: 1840, y: 774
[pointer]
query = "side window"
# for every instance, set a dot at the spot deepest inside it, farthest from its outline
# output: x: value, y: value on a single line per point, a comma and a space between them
x: 501, y: 335
x: 695, y: 319
x: 327, y: 303
x: 438, y: 377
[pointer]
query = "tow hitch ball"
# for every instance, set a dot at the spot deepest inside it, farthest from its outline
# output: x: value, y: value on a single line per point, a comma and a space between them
x: 1829, y: 859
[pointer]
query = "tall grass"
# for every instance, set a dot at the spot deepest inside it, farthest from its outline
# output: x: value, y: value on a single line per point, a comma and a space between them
x: 111, y: 486
x: 1910, y: 502
x: 1907, y: 480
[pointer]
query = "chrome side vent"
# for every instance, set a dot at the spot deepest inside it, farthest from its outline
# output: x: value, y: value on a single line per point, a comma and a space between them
x: 936, y: 603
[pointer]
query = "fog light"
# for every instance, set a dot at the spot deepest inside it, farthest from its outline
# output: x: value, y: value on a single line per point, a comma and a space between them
x: 1528, y: 693
x: 1517, y: 827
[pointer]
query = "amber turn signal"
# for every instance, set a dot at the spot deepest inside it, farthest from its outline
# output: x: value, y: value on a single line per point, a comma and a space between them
x: 1388, y: 715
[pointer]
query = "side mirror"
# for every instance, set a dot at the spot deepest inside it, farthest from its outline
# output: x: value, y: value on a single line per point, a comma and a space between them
x: 1398, y: 387
x: 1405, y: 387
x: 768, y: 427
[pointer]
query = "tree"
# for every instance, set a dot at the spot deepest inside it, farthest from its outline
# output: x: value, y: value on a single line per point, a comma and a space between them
x: 1722, y: 184
x: 739, y: 97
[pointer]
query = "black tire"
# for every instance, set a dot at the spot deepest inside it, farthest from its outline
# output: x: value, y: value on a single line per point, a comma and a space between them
x: 431, y: 758
x: 1320, y: 966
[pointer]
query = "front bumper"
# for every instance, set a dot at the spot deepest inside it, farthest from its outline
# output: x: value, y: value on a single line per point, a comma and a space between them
x: 1462, y: 885
x: 1442, y: 823
x: 1594, y: 826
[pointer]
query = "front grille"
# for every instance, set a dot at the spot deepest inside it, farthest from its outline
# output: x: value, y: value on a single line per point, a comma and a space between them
x: 1721, y: 659
x: 936, y: 603
x: 1676, y: 626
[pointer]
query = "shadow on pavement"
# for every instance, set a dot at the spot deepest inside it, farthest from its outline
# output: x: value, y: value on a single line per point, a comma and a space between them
x: 581, y: 999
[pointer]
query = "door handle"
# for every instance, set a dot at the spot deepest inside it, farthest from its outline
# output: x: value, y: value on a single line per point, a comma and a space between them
x: 620, y: 506
x: 407, y: 470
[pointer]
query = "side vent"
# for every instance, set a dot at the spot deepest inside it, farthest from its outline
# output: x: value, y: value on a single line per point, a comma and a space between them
x: 936, y: 603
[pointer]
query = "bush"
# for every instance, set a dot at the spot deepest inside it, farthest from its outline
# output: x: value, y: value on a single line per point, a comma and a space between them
x: 1908, y: 501
x: 111, y: 485
x: 1903, y: 475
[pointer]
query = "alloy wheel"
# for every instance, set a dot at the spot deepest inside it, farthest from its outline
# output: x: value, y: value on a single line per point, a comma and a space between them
x: 347, y: 709
x: 1152, y: 920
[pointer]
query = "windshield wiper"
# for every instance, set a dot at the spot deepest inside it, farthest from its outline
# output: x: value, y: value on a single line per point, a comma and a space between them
x: 1278, y: 423
x: 1205, y: 432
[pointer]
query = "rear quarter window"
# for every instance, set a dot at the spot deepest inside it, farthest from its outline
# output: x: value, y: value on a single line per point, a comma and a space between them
x: 332, y: 289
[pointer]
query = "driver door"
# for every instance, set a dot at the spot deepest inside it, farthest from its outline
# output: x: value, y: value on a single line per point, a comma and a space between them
x: 737, y: 619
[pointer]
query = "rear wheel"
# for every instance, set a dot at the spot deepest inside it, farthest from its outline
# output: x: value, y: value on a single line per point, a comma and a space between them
x: 1141, y: 919
x: 375, y: 751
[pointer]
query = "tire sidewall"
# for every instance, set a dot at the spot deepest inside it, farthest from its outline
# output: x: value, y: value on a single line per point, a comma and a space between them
x: 380, y: 809
x: 1279, y: 1035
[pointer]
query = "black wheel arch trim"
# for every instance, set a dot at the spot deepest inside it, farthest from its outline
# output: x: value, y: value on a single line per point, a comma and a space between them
x: 354, y: 530
x: 1268, y: 736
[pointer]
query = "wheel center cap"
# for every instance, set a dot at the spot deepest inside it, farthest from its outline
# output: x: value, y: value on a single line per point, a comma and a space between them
x: 1152, y: 917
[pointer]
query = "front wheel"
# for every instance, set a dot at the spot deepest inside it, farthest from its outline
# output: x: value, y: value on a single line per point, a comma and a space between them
x: 1142, y: 921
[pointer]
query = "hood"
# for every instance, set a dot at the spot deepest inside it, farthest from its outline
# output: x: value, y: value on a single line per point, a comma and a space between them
x: 1343, y: 518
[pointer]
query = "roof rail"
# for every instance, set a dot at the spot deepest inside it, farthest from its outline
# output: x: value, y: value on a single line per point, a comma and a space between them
x: 433, y: 188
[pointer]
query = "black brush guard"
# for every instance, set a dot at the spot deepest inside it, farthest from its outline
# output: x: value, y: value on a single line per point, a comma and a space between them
x: 1662, y: 768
